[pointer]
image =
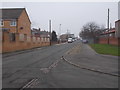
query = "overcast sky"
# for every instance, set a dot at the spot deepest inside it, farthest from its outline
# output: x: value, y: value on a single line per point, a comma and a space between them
x: 71, y: 15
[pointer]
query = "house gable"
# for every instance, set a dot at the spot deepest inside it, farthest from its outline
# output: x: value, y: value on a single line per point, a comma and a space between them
x: 24, y: 24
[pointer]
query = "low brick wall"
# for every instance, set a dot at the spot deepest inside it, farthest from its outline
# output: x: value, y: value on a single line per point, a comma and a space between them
x: 8, y: 46
x: 112, y: 41
x: 0, y: 47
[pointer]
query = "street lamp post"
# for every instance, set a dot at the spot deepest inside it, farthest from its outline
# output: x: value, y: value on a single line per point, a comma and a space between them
x: 59, y: 32
x: 50, y: 31
x: 108, y: 25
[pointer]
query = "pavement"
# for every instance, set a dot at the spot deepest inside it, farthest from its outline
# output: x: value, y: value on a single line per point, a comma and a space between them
x: 83, y: 55
x: 46, y: 68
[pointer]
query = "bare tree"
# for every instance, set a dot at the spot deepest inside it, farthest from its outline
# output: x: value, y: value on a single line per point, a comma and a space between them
x: 90, y: 30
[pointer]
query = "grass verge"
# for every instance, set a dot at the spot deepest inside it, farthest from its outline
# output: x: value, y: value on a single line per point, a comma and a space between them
x: 106, y: 49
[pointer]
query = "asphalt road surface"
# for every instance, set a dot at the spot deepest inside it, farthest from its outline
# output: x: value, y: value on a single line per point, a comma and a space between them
x: 46, y: 67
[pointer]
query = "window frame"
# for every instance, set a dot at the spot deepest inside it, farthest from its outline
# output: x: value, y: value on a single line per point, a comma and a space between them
x: 1, y: 22
x: 13, y: 23
x: 12, y: 37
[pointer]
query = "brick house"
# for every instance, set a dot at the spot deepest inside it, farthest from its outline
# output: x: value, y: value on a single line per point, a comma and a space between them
x: 15, y: 26
x: 15, y: 20
x: 111, y: 33
x: 109, y: 37
x: 15, y: 31
x: 39, y: 33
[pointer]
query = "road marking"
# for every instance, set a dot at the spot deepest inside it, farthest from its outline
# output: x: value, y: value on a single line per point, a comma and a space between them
x: 34, y: 82
x: 45, y: 70
x: 39, y: 48
x: 30, y: 84
x: 94, y: 70
x: 53, y: 65
x: 60, y: 44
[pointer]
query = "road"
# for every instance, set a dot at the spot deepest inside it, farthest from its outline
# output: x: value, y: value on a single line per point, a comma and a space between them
x: 46, y: 67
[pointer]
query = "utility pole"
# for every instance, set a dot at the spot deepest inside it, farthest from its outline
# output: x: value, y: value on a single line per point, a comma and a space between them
x: 67, y: 34
x: 59, y: 31
x: 50, y: 31
x: 108, y: 25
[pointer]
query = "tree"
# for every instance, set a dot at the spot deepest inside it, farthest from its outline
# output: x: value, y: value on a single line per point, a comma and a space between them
x: 54, y: 36
x: 90, y: 31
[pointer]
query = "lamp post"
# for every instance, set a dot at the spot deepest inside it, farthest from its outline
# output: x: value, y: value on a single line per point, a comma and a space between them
x: 50, y: 31
x: 108, y: 25
x: 59, y: 32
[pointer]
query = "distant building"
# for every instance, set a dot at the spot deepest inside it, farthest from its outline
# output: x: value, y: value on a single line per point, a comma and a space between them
x: 64, y: 37
x: 117, y: 28
x: 111, y: 33
x: 39, y: 33
x: 71, y: 35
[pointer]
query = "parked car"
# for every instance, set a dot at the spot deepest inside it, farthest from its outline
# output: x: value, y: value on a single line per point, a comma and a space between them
x: 70, y: 40
x: 73, y: 40
x: 85, y: 41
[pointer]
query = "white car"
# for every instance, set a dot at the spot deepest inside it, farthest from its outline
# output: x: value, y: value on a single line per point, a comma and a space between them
x: 70, y: 40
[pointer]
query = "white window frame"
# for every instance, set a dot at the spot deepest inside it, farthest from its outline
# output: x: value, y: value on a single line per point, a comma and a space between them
x: 13, y: 23
x: 1, y: 22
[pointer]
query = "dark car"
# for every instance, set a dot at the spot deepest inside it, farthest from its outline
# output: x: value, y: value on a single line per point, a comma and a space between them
x: 85, y: 41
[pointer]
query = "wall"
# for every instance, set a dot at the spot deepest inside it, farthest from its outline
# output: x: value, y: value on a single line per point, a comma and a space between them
x: 24, y: 22
x: 33, y: 42
x: 7, y: 25
x: 0, y: 41
x: 112, y: 41
x: 117, y: 27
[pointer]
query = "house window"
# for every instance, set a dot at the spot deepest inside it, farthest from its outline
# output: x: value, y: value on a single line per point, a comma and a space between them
x: 1, y: 23
x: 12, y: 36
x: 25, y: 37
x: 13, y: 23
x: 110, y: 35
x: 21, y: 37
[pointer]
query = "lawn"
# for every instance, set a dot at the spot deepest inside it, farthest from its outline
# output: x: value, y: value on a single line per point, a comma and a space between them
x: 106, y: 49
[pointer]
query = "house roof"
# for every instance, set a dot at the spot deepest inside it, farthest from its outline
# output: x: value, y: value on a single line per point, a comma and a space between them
x: 112, y: 30
x: 11, y: 13
x: 117, y: 21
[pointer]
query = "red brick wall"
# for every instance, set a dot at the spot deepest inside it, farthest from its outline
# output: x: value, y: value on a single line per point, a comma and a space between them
x: 103, y: 40
x: 8, y: 46
x: 112, y: 41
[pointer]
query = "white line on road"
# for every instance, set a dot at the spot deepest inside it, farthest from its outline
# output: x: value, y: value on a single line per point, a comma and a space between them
x: 34, y: 82
x: 46, y: 70
x: 30, y: 84
x: 60, y: 43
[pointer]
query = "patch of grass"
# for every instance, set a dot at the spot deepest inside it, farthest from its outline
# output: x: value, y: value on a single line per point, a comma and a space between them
x: 106, y: 49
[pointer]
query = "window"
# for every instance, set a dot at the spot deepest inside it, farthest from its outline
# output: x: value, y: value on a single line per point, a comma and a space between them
x: 21, y: 37
x: 25, y: 37
x: 1, y: 23
x: 13, y: 23
x: 12, y: 36
x: 1, y: 37
x: 110, y: 34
